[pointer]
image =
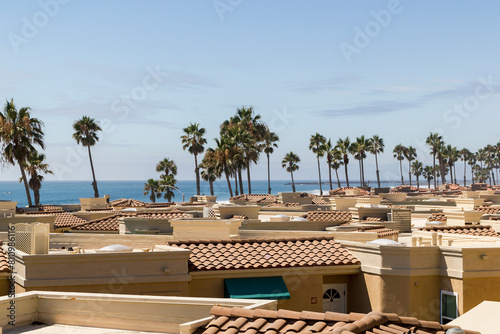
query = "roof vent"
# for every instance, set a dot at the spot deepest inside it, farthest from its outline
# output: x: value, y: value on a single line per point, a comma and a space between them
x: 114, y: 249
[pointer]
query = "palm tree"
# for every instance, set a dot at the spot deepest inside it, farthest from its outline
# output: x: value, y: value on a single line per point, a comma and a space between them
x: 35, y: 165
x: 399, y: 155
x: 317, y: 145
x: 376, y: 147
x: 435, y: 142
x: 19, y: 133
x: 450, y: 155
x: 410, y: 154
x: 270, y: 139
x: 465, y: 155
x: 417, y: 169
x: 290, y: 163
x: 209, y: 170
x: 472, y: 163
x: 167, y: 184
x: 167, y: 166
x: 343, y: 147
x: 86, y: 130
x: 222, y: 157
x: 336, y: 163
x: 359, y: 149
x: 152, y: 188
x: 193, y: 141
x: 428, y: 174
x: 329, y: 152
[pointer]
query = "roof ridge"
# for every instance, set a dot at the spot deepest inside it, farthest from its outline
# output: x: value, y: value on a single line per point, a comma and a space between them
x: 248, y: 240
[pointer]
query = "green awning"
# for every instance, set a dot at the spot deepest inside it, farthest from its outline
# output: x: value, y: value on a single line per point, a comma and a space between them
x: 256, y: 288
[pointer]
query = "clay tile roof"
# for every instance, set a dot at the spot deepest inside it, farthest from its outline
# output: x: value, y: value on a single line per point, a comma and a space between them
x: 327, y: 216
x: 111, y: 223
x: 4, y: 266
x: 256, y: 198
x: 381, y: 230
x: 270, y: 253
x: 243, y: 321
x: 473, y: 230
x: 127, y: 202
x: 487, y: 209
x: 67, y: 220
x: 341, y: 191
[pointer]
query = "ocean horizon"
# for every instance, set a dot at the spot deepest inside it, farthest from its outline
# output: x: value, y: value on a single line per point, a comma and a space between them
x: 69, y: 192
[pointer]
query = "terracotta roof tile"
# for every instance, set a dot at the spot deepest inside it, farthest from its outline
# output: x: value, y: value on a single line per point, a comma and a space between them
x: 4, y: 265
x: 381, y: 230
x: 329, y: 216
x: 127, y: 202
x: 473, y: 230
x: 341, y: 191
x: 272, y: 253
x: 286, y: 322
x: 256, y: 198
x: 111, y: 223
x: 67, y: 220
x: 487, y: 209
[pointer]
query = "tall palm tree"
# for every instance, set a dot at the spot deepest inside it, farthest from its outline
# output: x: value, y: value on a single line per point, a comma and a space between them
x: 86, y: 130
x: 472, y: 162
x: 359, y: 149
x: 222, y: 157
x: 152, y: 188
x: 376, y: 147
x: 435, y: 141
x: 330, y: 157
x: 19, y: 133
x: 410, y: 154
x: 35, y: 165
x: 336, y: 163
x: 399, y: 155
x: 343, y: 147
x: 428, y: 174
x: 193, y: 141
x: 450, y: 155
x: 167, y: 166
x: 209, y: 169
x: 290, y: 163
x: 270, y: 142
x: 417, y: 169
x: 317, y: 145
x: 465, y: 156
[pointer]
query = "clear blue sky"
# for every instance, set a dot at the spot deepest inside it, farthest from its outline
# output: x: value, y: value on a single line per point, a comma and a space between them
x: 340, y: 68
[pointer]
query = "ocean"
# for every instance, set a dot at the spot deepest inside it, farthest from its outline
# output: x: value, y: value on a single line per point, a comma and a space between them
x: 69, y: 192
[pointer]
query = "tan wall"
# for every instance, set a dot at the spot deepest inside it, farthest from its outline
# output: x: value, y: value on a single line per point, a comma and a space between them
x: 476, y: 290
x: 156, y: 289
x: 416, y: 296
x: 303, y: 287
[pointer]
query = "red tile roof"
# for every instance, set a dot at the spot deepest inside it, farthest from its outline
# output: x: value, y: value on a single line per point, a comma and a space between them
x: 127, y: 202
x: 487, y: 209
x: 4, y: 265
x: 341, y: 191
x: 324, y: 216
x: 282, y: 205
x: 474, y: 230
x: 438, y: 217
x: 111, y: 223
x: 264, y: 253
x: 255, y: 198
x: 381, y: 230
x: 159, y: 205
x: 239, y: 320
x: 67, y: 220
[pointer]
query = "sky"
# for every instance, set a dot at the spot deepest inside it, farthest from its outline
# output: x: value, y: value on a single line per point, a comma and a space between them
x: 145, y: 70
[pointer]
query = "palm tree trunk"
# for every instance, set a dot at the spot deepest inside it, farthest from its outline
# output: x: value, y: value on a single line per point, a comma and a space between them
x: 418, y: 183
x: 94, y: 183
x: 493, y: 177
x: 454, y: 174
x: 268, y: 175
x: 236, y: 193
x: 360, y: 178
x: 36, y: 191
x: 451, y: 174
x: 434, y: 169
x: 330, y: 175
x: 211, y: 183
x: 401, y: 171
x: 409, y: 171
x: 293, y: 183
x: 248, y: 179
x: 228, y: 183
x: 338, y: 180
x: 429, y: 183
x: 363, y: 171
x: 472, y: 173
x: 378, y: 173
x: 346, y: 176
x: 240, y: 181
x: 319, y: 174
x: 441, y: 167
x: 465, y: 170
x: 197, y: 172
x: 26, y: 187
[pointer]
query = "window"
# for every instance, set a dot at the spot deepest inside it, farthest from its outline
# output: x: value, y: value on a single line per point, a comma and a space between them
x: 449, y: 306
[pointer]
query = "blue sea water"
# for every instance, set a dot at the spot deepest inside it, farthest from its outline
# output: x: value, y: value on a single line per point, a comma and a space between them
x: 69, y: 192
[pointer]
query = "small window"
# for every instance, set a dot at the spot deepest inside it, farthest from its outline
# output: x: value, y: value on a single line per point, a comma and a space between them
x: 449, y: 306
x: 331, y: 294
